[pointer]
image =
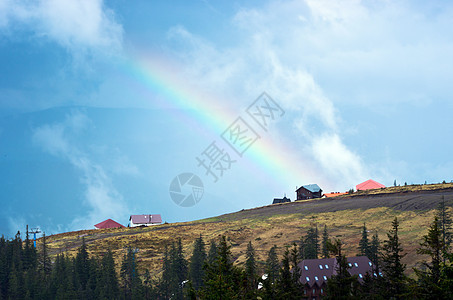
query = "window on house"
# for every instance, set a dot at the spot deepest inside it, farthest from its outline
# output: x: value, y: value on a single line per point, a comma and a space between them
x: 313, y: 292
x: 307, y: 278
x: 320, y: 266
x: 325, y: 277
x: 360, y: 275
x: 350, y: 265
x: 327, y: 266
x: 375, y: 275
x: 306, y: 268
x: 356, y: 265
x: 322, y: 291
x: 370, y: 263
x: 316, y: 278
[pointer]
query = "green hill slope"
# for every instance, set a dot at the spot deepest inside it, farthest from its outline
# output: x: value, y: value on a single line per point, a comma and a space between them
x: 280, y: 224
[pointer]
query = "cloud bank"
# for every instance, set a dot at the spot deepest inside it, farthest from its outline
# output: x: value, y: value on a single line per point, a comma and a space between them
x: 100, y: 196
x: 82, y: 27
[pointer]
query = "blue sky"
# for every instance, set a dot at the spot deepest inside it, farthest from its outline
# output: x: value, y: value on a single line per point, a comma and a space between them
x: 365, y: 86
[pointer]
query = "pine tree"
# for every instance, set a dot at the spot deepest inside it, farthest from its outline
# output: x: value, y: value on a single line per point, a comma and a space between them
x: 212, y: 254
x: 165, y: 282
x: 393, y: 268
x: 272, y: 265
x: 222, y: 279
x: 375, y: 252
x: 285, y: 284
x: 82, y: 266
x: 132, y: 285
x: 325, y: 239
x: 196, y: 267
x: 250, y: 272
x: 107, y: 284
x: 429, y: 279
x: 364, y: 248
x: 272, y: 269
x: 310, y: 244
x: 445, y: 225
x: 342, y: 284
x: 44, y: 260
x: 178, y: 267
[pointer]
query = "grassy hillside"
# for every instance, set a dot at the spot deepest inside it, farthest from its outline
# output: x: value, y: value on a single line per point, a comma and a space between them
x: 279, y: 224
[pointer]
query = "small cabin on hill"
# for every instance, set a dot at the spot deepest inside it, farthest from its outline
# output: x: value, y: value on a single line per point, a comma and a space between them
x: 281, y: 200
x: 369, y: 185
x: 309, y: 191
x: 144, y: 220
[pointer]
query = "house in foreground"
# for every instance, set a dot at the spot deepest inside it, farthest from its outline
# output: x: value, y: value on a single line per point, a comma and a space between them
x: 315, y: 273
x: 144, y: 220
x: 281, y: 200
x: 109, y: 223
x: 369, y: 185
x: 308, y: 191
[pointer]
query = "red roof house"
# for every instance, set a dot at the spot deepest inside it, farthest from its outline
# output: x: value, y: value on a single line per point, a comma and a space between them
x: 109, y: 223
x: 369, y: 185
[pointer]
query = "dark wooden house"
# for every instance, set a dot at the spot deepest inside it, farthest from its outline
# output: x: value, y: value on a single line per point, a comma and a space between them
x: 281, y: 200
x: 316, y: 272
x: 308, y: 191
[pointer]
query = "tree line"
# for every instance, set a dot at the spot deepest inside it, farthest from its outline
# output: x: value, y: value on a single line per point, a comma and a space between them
x: 210, y: 272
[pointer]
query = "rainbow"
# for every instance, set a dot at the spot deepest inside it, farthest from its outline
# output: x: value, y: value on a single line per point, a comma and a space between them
x: 160, y: 78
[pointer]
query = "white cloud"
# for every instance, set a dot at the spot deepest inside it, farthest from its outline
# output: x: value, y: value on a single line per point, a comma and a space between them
x: 78, y: 25
x: 101, y: 196
x: 255, y: 65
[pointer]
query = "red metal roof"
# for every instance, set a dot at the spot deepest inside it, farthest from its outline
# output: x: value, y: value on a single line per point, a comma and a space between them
x: 334, y: 194
x: 368, y: 185
x: 109, y: 223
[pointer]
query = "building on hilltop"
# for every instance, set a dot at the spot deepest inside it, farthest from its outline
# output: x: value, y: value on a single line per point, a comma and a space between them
x: 282, y: 200
x: 369, y: 185
x: 316, y: 272
x: 309, y: 191
x: 109, y: 223
x: 144, y: 220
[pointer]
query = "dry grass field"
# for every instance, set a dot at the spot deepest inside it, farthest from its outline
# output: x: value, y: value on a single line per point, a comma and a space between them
x: 279, y: 224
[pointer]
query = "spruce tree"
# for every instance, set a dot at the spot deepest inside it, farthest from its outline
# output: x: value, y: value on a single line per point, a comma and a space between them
x: 44, y: 260
x: 272, y: 269
x: 272, y: 265
x: 325, y: 239
x: 107, y: 284
x: 212, y: 254
x: 364, y: 248
x: 429, y: 279
x: 196, y: 267
x: 222, y: 279
x: 82, y: 266
x: 165, y: 282
x: 341, y: 285
x: 445, y: 225
x: 393, y: 268
x: 310, y: 244
x: 178, y: 267
x: 375, y: 252
x: 250, y: 271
